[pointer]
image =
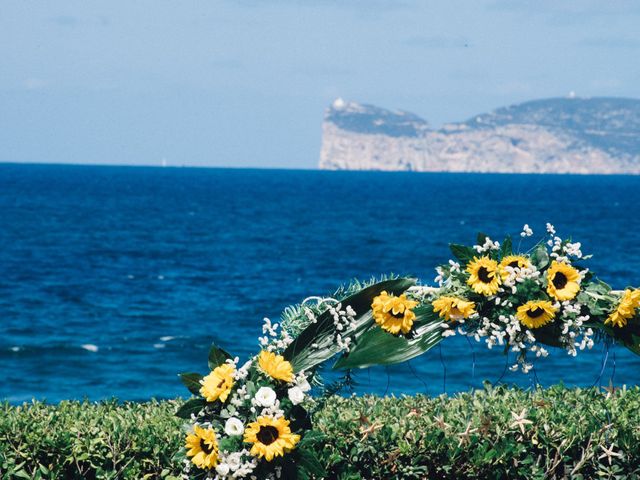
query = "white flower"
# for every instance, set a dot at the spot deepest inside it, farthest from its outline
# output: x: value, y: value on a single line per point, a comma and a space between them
x: 233, y: 426
x: 296, y: 395
x: 265, y: 397
x: 222, y: 469
x: 234, y: 460
x: 301, y: 382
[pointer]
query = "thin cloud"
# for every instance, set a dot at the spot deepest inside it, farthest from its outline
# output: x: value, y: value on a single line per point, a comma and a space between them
x: 314, y: 71
x: 68, y: 21
x: 368, y: 6
x: 34, y: 83
x: 609, y: 42
x: 582, y: 9
x: 437, y: 41
x: 227, y: 64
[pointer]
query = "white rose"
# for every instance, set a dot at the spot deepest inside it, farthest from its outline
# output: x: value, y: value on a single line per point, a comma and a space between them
x: 265, y: 397
x: 304, y: 385
x: 222, y: 469
x: 296, y: 395
x: 233, y: 427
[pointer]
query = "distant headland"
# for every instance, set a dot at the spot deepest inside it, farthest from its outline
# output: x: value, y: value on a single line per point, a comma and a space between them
x: 556, y: 135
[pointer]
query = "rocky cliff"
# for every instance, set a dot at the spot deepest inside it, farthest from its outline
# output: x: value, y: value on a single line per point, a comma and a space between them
x: 558, y: 135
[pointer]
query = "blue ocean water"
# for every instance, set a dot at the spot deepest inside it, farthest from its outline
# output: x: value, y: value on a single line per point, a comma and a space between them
x: 114, y: 279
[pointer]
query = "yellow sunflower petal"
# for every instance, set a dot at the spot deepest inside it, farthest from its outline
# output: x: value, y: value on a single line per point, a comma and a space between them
x: 452, y: 308
x: 626, y: 309
x: 484, y: 276
x: 271, y: 437
x: 536, y: 313
x: 563, y: 281
x: 275, y: 366
x: 394, y: 314
x: 218, y: 384
x: 202, y: 448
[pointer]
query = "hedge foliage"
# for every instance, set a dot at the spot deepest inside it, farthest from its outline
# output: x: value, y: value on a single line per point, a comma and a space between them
x: 510, y: 433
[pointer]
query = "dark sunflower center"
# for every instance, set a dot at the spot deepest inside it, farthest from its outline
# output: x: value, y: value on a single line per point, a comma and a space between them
x: 483, y: 275
x: 267, y: 434
x: 205, y: 447
x: 396, y: 315
x: 221, y: 383
x: 559, y: 280
x: 535, y: 312
x: 514, y: 264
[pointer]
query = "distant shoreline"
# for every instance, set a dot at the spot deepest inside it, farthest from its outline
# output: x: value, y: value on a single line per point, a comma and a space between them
x: 303, y: 169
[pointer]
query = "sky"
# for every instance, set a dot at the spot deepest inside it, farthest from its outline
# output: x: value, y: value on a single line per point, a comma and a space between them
x: 245, y: 83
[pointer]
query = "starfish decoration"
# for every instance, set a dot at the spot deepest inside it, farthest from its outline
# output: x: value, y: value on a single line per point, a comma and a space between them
x: 366, y: 431
x: 465, y: 437
x: 364, y: 420
x: 485, y: 425
x: 441, y: 423
x: 520, y: 420
x: 541, y: 403
x: 609, y: 453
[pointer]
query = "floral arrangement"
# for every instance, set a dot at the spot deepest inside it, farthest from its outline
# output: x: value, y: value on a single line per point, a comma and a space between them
x: 254, y: 421
x: 525, y: 301
x: 247, y: 418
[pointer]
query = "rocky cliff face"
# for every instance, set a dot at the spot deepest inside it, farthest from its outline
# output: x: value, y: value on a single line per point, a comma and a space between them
x: 563, y: 135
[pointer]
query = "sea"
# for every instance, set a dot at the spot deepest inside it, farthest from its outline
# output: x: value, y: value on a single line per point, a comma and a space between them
x: 115, y: 279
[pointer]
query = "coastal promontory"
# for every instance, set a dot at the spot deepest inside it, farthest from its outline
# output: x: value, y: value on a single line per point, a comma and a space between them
x: 556, y: 135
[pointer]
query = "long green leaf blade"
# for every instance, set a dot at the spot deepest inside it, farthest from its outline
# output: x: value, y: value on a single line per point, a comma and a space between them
x: 217, y: 356
x: 192, y: 382
x: 378, y: 347
x: 192, y: 406
x: 300, y: 353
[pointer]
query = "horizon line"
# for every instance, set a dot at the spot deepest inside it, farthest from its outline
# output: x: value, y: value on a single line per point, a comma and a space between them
x: 216, y: 167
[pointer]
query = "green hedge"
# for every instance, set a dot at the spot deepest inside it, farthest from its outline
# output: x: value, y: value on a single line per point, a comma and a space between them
x: 365, y: 437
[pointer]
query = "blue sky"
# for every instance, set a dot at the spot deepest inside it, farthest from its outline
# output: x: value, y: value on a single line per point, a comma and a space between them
x: 245, y: 82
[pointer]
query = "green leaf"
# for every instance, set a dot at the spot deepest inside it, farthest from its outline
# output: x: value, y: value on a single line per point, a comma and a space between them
x: 217, y: 356
x: 378, y: 347
x: 549, y: 334
x: 462, y: 252
x: 192, y: 382
x: 191, y: 406
x: 311, y: 437
x: 310, y: 463
x: 540, y: 257
x: 599, y: 287
x: 321, y: 333
x: 633, y: 344
x: 507, y: 247
x: 629, y: 335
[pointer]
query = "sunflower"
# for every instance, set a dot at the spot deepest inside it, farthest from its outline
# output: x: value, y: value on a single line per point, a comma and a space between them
x: 563, y: 281
x: 536, y: 313
x: 625, y: 310
x: 275, y: 366
x: 271, y: 437
x: 484, y: 275
x: 451, y: 308
x: 202, y: 446
x: 513, y: 261
x: 394, y: 314
x: 217, y: 385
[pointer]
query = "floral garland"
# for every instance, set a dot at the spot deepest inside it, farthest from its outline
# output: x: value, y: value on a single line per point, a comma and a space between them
x: 254, y: 421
